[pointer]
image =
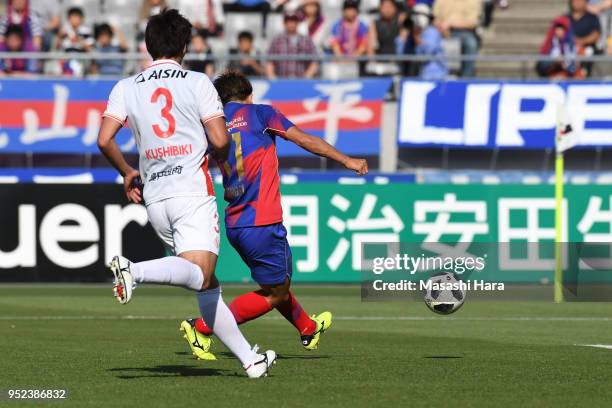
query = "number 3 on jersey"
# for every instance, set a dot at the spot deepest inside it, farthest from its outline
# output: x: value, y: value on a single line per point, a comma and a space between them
x: 165, y: 113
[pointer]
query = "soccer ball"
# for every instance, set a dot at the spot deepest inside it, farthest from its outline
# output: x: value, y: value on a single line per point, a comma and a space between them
x: 444, y: 294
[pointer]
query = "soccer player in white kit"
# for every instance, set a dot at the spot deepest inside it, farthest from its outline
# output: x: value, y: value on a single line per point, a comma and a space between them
x: 177, y: 120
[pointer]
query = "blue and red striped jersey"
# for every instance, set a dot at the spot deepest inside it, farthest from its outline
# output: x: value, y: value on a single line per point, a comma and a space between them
x: 250, y: 174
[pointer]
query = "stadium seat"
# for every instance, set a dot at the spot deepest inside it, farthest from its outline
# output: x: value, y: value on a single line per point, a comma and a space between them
x: 237, y: 22
x: 331, y: 6
x: 452, y: 48
x: 275, y: 25
x: 91, y: 8
x: 340, y: 70
x: 369, y: 6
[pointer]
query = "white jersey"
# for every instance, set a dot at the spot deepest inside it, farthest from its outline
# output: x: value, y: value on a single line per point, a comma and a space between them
x: 165, y: 107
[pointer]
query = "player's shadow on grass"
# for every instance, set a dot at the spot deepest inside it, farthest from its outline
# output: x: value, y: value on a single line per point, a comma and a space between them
x: 167, y: 371
x: 282, y: 356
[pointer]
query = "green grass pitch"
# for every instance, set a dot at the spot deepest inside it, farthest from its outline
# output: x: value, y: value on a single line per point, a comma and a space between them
x: 376, y: 354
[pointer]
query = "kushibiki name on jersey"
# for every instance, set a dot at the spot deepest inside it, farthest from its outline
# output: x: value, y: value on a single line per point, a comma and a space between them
x: 166, y: 173
x: 168, y: 151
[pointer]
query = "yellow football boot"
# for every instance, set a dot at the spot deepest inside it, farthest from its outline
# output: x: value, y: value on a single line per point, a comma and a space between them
x: 324, y: 322
x: 199, y: 343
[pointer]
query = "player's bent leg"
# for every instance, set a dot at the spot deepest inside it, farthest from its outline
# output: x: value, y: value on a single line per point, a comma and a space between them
x: 172, y: 270
x: 251, y: 305
x: 219, y: 318
x: 310, y: 328
x: 206, y: 262
x: 276, y: 294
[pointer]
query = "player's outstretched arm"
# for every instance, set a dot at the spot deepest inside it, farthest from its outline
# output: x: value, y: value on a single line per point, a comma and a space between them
x: 320, y: 147
x: 110, y: 150
x: 218, y: 137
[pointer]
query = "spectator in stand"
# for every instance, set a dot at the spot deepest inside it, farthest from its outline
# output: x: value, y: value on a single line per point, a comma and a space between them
x: 205, y: 15
x: 75, y: 36
x: 48, y: 12
x: 459, y: 19
x: 585, y: 25
x: 148, y: 8
x: 489, y: 8
x: 106, y: 42
x: 586, y: 30
x: 559, y: 43
x: 384, y: 31
x: 599, y: 6
x: 487, y: 12
x: 18, y: 12
x: 251, y: 6
x: 313, y: 24
x: 15, y: 41
x: 349, y: 34
x: 204, y: 61
x: 426, y: 40
x: 291, y: 43
x: 602, y: 9
x: 248, y: 65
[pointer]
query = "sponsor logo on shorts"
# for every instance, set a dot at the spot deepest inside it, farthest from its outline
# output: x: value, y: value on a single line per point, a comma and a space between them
x: 168, y: 151
x: 166, y: 173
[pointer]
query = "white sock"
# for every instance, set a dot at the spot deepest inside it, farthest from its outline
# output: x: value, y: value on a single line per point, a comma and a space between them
x: 172, y: 270
x: 221, y: 321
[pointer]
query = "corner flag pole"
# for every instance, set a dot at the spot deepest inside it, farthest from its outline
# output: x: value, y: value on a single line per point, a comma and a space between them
x: 558, y: 227
x: 565, y: 139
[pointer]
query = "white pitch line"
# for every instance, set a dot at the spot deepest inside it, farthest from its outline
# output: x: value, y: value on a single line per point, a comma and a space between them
x: 348, y: 318
x: 602, y: 346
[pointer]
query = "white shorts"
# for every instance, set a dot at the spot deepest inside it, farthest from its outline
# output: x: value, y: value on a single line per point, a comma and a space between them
x: 186, y: 223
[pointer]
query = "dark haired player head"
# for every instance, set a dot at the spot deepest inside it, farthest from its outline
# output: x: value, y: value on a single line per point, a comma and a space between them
x: 233, y: 86
x: 167, y: 35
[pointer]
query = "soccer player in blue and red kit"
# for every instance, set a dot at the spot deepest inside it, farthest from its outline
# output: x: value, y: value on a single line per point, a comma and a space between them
x: 253, y: 217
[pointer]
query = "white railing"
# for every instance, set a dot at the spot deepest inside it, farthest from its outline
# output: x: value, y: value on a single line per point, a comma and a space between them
x: 524, y: 62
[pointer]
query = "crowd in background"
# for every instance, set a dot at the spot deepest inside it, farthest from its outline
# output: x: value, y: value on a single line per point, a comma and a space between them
x: 366, y: 29
x: 583, y: 31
